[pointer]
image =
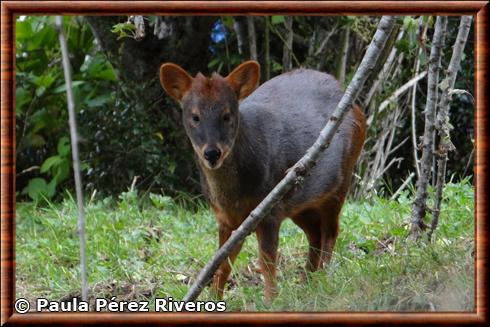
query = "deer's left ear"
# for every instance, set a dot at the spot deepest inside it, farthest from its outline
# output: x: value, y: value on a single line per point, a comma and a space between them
x: 244, y: 79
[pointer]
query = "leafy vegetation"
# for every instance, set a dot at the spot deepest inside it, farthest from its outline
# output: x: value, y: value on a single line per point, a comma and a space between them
x: 130, y: 131
x: 152, y: 247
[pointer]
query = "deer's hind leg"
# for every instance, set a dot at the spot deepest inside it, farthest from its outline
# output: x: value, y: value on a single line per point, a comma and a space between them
x: 309, y: 221
x: 331, y: 209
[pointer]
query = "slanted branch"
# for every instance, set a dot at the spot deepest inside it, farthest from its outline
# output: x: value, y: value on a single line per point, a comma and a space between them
x: 301, y: 168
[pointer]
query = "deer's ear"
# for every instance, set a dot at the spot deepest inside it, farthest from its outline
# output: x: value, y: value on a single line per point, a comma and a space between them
x: 245, y: 78
x: 175, y: 80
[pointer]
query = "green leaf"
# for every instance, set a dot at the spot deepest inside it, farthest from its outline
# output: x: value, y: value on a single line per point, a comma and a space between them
x: 50, y: 162
x: 62, y: 88
x: 45, y: 80
x: 22, y: 97
x: 36, y: 188
x: 64, y: 146
x: 62, y: 171
x: 23, y: 30
x: 98, y: 101
x: 36, y: 140
x: 277, y: 19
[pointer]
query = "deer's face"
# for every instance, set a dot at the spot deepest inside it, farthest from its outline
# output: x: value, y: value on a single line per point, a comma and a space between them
x: 210, y: 107
x: 211, y: 119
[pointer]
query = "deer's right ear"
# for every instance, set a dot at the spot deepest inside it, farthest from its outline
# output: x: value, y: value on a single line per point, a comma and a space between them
x: 175, y: 80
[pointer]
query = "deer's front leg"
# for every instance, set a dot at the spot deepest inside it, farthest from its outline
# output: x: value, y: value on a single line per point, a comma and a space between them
x: 221, y: 275
x: 268, y: 239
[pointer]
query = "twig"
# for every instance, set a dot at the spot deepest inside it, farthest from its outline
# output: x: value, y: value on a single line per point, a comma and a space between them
x: 76, y: 161
x: 304, y: 164
x: 275, y: 31
x: 27, y: 170
x: 402, y: 89
x: 402, y: 187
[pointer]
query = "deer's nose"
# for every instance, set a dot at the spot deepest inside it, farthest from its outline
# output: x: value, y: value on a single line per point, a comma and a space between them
x: 212, y: 154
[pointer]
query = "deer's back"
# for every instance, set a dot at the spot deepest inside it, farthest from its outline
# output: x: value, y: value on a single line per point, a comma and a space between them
x: 284, y: 117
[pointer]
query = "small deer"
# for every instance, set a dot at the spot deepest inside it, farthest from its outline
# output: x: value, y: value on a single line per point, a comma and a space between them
x: 245, y: 139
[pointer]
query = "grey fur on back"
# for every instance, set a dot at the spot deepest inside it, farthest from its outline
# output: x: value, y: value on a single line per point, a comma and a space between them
x: 284, y: 117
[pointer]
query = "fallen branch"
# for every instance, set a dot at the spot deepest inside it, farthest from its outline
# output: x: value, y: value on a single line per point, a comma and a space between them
x: 296, y: 173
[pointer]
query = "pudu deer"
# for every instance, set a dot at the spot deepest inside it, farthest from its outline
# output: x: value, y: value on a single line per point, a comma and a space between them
x: 244, y: 149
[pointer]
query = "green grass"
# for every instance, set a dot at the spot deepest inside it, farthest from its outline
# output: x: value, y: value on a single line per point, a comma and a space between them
x: 140, y: 252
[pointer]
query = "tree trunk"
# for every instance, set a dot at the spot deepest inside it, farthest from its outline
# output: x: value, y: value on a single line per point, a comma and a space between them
x: 419, y: 206
x: 138, y: 62
x: 442, y: 122
x: 342, y: 58
x: 183, y: 40
x: 287, y: 51
x: 240, y: 33
x: 267, y: 59
x: 252, y: 40
x: 296, y: 173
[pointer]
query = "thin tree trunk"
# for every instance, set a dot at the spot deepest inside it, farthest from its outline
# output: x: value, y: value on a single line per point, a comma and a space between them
x: 434, y: 161
x: 267, y: 59
x: 239, y: 31
x: 442, y: 122
x: 288, y: 46
x: 419, y: 206
x: 75, y: 157
x: 252, y: 40
x: 296, y: 173
x: 342, y: 58
x: 421, y: 37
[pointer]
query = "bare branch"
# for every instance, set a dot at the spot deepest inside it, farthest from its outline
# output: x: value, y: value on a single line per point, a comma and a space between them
x: 402, y: 187
x: 76, y: 161
x: 402, y: 89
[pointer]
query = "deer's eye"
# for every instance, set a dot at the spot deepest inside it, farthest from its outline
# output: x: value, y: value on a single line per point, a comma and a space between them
x: 195, y: 118
x: 226, y: 117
